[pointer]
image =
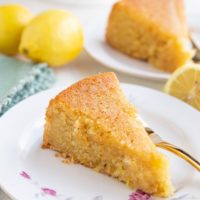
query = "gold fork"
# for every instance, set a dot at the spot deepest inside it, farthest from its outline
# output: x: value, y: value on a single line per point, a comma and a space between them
x: 193, y: 38
x: 159, y: 142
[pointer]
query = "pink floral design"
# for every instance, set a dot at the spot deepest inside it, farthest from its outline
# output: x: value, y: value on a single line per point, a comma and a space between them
x: 49, y: 191
x: 139, y: 195
x: 25, y: 175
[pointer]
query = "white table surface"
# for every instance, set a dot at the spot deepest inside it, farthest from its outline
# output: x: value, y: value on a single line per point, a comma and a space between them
x: 84, y: 65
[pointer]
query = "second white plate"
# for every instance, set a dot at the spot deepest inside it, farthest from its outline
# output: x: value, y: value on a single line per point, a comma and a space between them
x: 97, y: 47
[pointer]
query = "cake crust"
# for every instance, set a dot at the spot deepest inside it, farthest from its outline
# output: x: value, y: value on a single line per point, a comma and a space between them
x: 168, y: 15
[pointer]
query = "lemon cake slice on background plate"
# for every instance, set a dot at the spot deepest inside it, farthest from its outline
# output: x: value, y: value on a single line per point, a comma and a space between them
x: 155, y: 31
x: 93, y: 124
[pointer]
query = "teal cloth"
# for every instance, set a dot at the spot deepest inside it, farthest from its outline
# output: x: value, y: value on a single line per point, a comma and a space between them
x: 20, y: 79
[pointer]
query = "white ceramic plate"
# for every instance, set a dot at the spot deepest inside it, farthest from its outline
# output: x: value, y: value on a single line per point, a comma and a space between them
x: 97, y: 47
x: 28, y: 172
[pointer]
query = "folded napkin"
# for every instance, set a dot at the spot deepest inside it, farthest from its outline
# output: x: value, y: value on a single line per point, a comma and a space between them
x: 20, y: 79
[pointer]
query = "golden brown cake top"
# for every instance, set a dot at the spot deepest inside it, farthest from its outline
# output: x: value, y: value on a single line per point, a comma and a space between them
x: 100, y: 98
x: 168, y: 14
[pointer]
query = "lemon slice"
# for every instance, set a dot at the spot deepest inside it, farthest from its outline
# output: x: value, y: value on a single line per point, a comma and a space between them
x: 185, y: 84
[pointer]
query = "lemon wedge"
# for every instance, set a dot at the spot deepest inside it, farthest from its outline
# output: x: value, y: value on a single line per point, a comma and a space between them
x: 185, y: 84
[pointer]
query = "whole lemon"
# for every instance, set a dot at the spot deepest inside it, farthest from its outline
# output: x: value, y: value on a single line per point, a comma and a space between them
x: 54, y: 37
x: 13, y: 19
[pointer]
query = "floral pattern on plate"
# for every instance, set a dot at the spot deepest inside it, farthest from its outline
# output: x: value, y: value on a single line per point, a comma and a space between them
x: 46, y: 191
x: 137, y: 195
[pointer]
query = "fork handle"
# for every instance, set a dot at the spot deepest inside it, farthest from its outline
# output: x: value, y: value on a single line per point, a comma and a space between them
x: 179, y: 152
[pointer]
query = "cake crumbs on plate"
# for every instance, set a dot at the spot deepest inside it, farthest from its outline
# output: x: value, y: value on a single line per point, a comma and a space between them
x: 66, y: 158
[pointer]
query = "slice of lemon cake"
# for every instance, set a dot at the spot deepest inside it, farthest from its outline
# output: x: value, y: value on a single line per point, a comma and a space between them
x: 154, y: 30
x: 92, y: 123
